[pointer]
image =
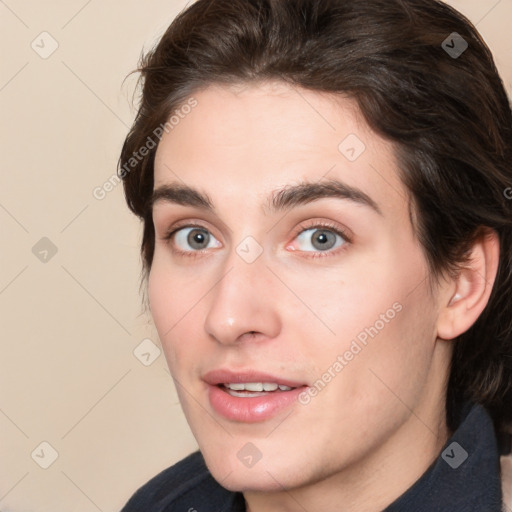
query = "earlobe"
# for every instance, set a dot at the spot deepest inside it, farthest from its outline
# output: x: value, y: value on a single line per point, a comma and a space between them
x: 468, y: 293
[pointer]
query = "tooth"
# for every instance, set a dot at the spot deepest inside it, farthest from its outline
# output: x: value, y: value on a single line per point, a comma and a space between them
x: 254, y: 386
x: 236, y: 386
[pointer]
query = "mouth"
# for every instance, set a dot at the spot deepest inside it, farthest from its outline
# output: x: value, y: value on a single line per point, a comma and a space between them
x: 250, y: 396
x: 253, y: 389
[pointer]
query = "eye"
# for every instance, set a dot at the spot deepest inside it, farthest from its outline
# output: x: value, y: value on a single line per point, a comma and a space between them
x: 320, y: 238
x: 193, y: 238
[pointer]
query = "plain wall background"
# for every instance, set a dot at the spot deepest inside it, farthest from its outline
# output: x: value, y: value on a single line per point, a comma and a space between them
x: 70, y: 323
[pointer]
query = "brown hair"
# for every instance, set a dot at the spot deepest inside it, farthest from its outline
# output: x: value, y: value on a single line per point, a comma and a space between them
x: 447, y: 115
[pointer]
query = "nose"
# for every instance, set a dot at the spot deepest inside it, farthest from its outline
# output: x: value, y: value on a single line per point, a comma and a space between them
x: 244, y: 303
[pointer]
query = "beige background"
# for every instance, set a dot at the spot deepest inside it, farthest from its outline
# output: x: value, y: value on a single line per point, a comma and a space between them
x: 70, y: 324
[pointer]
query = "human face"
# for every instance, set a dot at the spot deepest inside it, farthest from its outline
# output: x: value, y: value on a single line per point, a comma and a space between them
x: 281, y: 293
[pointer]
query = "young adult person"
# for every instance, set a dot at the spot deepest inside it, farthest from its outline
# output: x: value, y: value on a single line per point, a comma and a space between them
x: 327, y: 248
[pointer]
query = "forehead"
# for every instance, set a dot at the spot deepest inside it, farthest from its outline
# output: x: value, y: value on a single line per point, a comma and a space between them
x: 262, y: 137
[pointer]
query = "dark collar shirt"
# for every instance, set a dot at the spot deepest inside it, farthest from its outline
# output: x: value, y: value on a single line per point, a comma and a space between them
x: 465, y: 477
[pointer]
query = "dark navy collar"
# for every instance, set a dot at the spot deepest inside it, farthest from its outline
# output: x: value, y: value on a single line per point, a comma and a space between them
x: 466, y: 475
x: 464, y: 478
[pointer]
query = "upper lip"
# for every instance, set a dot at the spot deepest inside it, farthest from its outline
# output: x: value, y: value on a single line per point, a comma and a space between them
x: 226, y: 376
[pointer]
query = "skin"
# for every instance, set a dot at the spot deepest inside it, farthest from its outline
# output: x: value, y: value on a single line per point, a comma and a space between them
x: 380, y: 422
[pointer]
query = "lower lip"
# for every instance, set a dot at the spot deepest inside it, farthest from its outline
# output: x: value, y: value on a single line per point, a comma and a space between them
x: 251, y: 409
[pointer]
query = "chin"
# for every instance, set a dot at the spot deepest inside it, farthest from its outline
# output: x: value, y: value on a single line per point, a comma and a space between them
x: 263, y: 476
x: 252, y: 480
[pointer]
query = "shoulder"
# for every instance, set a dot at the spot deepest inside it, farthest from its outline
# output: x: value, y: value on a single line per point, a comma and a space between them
x: 187, y: 485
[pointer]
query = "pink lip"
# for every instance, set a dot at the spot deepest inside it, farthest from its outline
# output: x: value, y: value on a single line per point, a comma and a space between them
x: 249, y: 409
x: 222, y: 376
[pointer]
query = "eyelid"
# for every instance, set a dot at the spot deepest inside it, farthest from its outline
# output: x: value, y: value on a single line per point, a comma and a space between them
x: 327, y: 225
x: 169, y: 232
x: 343, y: 232
x: 168, y: 236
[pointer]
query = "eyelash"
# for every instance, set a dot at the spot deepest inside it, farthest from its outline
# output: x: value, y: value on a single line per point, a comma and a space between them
x: 190, y: 254
x: 304, y: 227
x: 328, y: 227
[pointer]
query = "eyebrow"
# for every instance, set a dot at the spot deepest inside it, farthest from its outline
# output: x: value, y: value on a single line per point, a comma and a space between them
x: 279, y: 200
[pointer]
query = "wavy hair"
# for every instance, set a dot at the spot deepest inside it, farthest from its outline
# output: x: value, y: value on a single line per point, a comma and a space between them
x: 447, y: 115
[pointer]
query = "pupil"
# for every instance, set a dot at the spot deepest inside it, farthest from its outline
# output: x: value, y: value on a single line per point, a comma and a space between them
x: 325, y: 239
x: 197, y: 238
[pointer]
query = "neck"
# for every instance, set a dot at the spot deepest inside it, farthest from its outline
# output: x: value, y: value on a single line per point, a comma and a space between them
x: 368, y: 486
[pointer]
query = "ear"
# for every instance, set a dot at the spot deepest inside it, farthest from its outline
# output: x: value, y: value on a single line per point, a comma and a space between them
x: 464, y: 298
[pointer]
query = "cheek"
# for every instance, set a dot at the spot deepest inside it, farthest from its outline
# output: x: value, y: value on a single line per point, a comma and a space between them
x: 396, y: 357
x: 382, y: 318
x: 160, y: 298
x: 173, y: 305
x: 349, y: 304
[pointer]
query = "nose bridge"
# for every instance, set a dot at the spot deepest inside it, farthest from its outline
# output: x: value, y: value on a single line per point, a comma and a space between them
x: 242, y: 300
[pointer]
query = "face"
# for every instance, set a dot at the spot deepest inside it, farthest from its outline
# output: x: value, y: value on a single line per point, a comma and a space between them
x: 285, y: 256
